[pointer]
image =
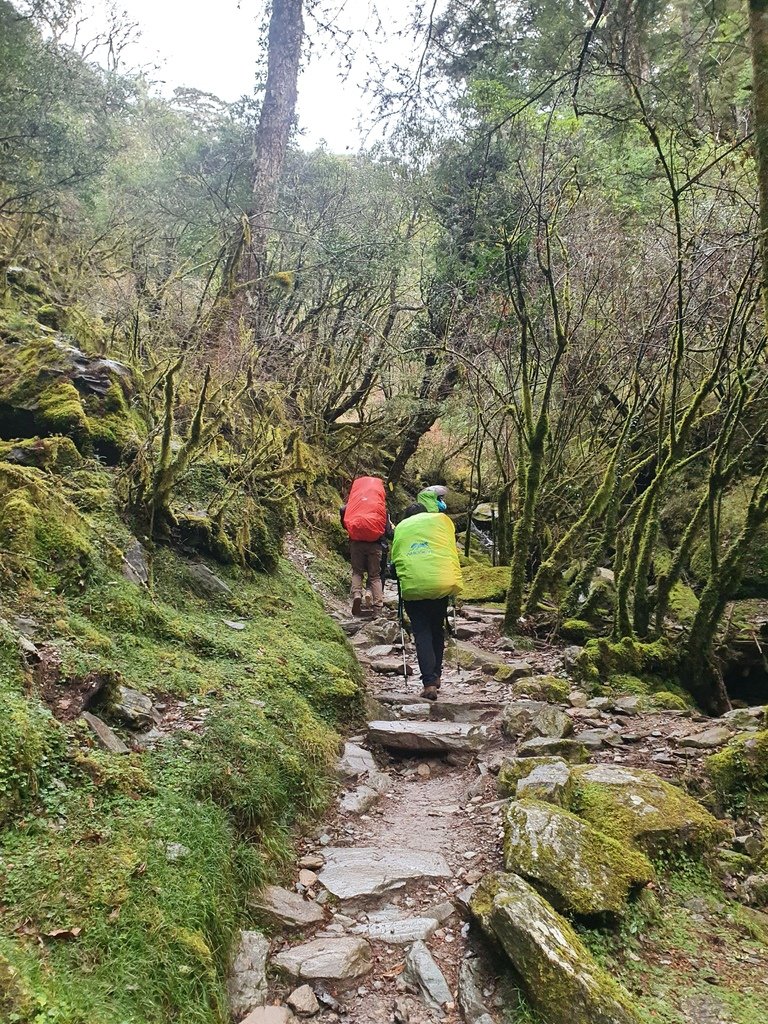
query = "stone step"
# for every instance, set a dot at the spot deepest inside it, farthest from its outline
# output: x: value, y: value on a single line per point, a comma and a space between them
x: 429, y: 737
x: 357, y: 872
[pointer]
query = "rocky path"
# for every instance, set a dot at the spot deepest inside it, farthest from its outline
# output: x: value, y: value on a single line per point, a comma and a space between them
x: 376, y: 927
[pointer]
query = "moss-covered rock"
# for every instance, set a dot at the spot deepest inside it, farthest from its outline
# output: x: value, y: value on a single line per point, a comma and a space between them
x: 545, y: 688
x: 579, y: 869
x: 741, y: 769
x: 515, y: 768
x: 602, y: 658
x: 635, y: 806
x: 560, y: 978
x: 484, y: 582
x: 577, y: 631
x: 49, y: 387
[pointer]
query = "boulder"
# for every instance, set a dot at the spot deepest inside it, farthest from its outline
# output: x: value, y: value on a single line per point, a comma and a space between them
x: 512, y: 769
x: 356, y: 872
x: 429, y: 737
x: 136, y: 564
x: 544, y: 746
x: 286, y: 908
x: 716, y: 736
x: 304, y: 1001
x: 205, y: 582
x: 425, y: 976
x: 551, y: 689
x: 561, y: 979
x: 247, y: 981
x: 132, y: 708
x: 744, y: 719
x: 526, y: 719
x: 470, y: 657
x: 634, y: 805
x: 594, y: 739
x: 332, y: 958
x: 579, y: 869
x: 550, y: 783
x: 104, y: 735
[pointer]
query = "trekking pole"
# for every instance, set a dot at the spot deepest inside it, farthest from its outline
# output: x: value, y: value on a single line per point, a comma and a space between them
x: 402, y: 630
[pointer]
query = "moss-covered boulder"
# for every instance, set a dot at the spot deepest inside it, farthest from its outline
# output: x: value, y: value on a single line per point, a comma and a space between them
x: 560, y: 977
x: 525, y: 719
x: 49, y: 387
x: 602, y: 659
x: 578, y: 868
x: 546, y: 688
x: 635, y: 806
x: 513, y: 769
x: 741, y: 769
x: 484, y: 582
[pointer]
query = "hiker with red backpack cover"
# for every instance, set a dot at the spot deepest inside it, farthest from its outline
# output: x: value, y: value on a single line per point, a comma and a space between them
x: 365, y: 519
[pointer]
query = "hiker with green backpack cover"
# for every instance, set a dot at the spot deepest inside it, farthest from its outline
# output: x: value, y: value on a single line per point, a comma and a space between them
x: 429, y: 574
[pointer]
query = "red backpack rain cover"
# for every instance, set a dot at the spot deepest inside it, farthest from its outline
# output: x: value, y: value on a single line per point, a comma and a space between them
x: 365, y: 517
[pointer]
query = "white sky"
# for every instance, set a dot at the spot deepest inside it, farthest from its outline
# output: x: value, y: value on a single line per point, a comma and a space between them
x: 213, y: 47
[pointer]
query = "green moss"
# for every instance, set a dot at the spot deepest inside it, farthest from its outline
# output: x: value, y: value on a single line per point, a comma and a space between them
x: 603, y: 658
x: 515, y: 768
x: 54, y: 453
x: 579, y: 868
x: 60, y: 411
x: 665, y: 700
x: 577, y: 631
x: 740, y: 770
x: 647, y: 812
x: 484, y: 582
x: 683, y: 603
x: 546, y: 688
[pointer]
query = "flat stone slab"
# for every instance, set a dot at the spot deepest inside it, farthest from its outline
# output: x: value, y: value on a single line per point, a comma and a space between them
x: 247, y: 982
x: 390, y: 666
x: 402, y: 932
x: 335, y: 958
x: 269, y: 1015
x: 464, y: 711
x: 716, y: 736
x: 287, y: 908
x: 429, y: 737
x: 104, y: 735
x: 545, y: 746
x: 359, y: 871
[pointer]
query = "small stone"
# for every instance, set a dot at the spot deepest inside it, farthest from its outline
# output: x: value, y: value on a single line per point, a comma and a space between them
x: 380, y: 651
x: 233, y: 624
x: 403, y: 931
x: 541, y: 746
x: 600, y: 704
x: 307, y: 877
x: 424, y: 770
x: 577, y: 699
x: 313, y: 861
x: 627, y: 705
x: 303, y: 1001
x: 176, y: 851
x: 269, y: 1015
x: 356, y: 761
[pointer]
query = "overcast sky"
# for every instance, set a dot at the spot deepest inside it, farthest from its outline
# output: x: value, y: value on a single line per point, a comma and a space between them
x: 213, y: 47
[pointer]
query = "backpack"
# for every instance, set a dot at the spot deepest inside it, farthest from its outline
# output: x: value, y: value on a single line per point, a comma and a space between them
x: 365, y: 517
x: 424, y: 553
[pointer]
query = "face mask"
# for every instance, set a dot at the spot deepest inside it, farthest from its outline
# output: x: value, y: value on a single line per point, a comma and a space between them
x: 441, y: 506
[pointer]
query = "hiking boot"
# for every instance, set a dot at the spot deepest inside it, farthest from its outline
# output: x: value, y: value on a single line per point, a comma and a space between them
x: 357, y: 605
x: 429, y: 693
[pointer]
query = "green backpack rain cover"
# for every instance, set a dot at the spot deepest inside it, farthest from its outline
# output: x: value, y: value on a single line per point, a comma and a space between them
x: 424, y: 553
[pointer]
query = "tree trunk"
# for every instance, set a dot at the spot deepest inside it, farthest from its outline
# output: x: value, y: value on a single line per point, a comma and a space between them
x: 758, y: 33
x: 523, y: 532
x: 286, y: 33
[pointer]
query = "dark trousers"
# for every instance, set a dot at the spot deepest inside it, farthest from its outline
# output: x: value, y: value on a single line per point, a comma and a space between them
x: 428, y: 624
